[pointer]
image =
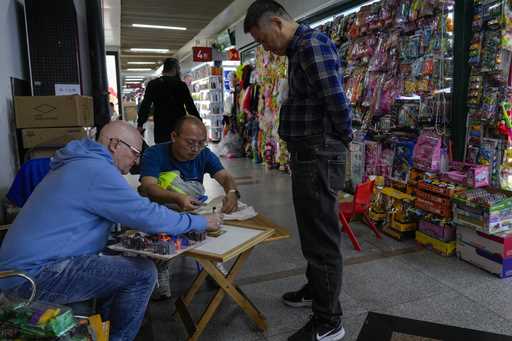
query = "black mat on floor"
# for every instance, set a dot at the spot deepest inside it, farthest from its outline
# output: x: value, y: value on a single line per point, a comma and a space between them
x: 380, y: 327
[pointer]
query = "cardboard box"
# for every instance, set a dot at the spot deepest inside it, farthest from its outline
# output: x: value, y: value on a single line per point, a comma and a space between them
x: 53, y: 111
x: 41, y: 152
x: 498, y: 244
x: 444, y: 232
x: 130, y: 111
x: 54, y: 137
x: 443, y: 248
x: 502, y: 267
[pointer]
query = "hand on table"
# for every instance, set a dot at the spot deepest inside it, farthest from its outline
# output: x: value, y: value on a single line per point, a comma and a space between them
x: 213, y: 222
x: 230, y: 203
x: 188, y: 203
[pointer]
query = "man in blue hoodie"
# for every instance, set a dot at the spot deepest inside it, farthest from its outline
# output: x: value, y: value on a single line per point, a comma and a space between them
x: 64, y: 225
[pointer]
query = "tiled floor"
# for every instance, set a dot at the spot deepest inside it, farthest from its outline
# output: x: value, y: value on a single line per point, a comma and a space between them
x: 389, y: 277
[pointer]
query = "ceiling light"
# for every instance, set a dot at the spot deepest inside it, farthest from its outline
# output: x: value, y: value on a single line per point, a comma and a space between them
x: 161, y: 27
x: 142, y: 63
x: 136, y: 49
x: 132, y: 82
x: 139, y: 69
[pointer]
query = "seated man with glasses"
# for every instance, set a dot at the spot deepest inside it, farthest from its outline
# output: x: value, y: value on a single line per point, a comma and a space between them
x: 188, y: 155
x: 187, y: 159
x: 59, y: 235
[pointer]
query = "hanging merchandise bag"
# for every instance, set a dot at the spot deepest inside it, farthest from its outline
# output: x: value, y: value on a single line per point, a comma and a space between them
x: 427, y: 152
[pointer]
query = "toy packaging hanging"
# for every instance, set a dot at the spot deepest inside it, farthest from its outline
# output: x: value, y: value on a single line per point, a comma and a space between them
x: 427, y: 152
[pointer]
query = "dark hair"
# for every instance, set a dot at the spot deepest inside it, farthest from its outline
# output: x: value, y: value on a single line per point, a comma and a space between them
x: 259, y: 9
x: 187, y: 118
x: 171, y: 64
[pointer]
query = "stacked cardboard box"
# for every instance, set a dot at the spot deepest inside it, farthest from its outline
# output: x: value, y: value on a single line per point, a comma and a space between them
x: 484, y: 229
x: 49, y: 122
x: 489, y: 252
x: 435, y: 228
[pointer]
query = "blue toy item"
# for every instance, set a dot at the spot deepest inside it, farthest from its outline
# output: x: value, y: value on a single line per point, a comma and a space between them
x: 202, y: 198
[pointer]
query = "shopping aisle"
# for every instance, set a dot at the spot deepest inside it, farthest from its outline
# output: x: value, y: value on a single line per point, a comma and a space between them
x: 388, y: 277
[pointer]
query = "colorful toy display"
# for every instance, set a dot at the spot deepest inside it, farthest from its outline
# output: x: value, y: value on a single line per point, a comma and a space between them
x: 486, y: 210
x: 489, y: 125
x: 37, y: 320
x: 401, y: 220
x: 161, y: 244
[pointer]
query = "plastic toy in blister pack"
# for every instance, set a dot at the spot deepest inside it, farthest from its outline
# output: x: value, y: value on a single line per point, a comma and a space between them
x: 492, y: 13
x: 427, y: 152
x: 402, y: 16
x: 490, y: 101
x: 491, y: 51
x: 426, y: 111
x: 505, y: 125
x: 410, y: 49
x: 506, y: 36
x: 372, y: 157
x: 386, y: 162
x: 378, y: 60
x: 475, y: 49
x: 472, y: 154
x: 487, y: 152
x: 505, y: 175
x: 475, y: 91
x: 408, y: 115
x: 403, y: 159
x: 389, y: 93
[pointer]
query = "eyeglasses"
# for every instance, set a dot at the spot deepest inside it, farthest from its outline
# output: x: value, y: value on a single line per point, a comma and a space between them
x: 135, y: 151
x: 192, y: 144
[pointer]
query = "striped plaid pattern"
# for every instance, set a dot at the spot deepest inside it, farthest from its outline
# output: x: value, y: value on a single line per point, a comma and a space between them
x: 316, y: 103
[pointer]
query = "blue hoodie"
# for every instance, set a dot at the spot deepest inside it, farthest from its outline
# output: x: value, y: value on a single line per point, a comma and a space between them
x: 71, y: 211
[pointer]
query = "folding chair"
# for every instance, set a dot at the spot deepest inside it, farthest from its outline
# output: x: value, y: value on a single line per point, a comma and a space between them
x: 359, y: 206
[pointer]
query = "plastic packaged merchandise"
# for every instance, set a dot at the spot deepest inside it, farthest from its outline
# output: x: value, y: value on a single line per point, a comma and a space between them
x: 162, y: 243
x: 36, y: 320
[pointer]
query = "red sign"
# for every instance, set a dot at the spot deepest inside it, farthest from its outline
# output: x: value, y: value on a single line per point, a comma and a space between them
x: 202, y: 54
x: 133, y: 85
x: 233, y: 54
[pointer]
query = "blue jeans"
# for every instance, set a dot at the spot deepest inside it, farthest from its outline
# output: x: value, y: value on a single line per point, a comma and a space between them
x: 122, y: 285
x: 318, y: 173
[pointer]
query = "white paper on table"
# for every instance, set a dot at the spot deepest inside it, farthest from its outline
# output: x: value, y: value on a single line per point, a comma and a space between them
x: 232, y: 238
x: 244, y: 211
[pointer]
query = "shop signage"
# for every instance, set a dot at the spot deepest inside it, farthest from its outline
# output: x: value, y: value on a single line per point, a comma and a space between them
x: 233, y: 54
x: 202, y: 54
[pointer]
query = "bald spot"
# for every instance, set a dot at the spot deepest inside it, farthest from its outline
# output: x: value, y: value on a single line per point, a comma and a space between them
x: 119, y: 130
x: 190, y: 121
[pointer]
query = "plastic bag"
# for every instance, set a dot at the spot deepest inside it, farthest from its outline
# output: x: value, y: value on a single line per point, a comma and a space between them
x: 231, y: 145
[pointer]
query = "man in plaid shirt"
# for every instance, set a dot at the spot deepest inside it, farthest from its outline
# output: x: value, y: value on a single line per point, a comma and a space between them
x: 316, y: 123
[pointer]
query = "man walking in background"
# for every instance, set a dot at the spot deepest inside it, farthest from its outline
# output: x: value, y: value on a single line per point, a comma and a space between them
x: 316, y: 123
x: 169, y: 96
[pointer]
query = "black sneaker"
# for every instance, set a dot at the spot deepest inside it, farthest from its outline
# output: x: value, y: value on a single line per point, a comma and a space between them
x: 317, y: 331
x: 298, y: 299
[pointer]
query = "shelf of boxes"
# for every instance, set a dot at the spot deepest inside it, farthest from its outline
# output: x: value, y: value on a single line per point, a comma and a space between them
x: 208, y: 98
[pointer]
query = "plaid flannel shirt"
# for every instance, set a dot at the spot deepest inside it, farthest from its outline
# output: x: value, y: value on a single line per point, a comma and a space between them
x: 316, y: 102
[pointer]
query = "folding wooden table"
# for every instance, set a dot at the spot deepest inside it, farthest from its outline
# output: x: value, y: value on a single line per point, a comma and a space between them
x: 269, y: 232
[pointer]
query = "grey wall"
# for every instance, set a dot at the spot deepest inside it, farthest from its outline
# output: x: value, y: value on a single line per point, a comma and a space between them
x: 12, y: 64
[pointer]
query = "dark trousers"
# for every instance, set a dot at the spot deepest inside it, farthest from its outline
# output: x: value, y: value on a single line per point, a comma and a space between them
x: 318, y: 173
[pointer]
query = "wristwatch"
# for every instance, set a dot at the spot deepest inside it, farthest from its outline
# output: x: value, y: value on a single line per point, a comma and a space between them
x: 234, y: 191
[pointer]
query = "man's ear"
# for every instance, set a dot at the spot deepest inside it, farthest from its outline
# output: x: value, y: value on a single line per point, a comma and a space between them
x: 112, y: 146
x: 278, y: 21
x: 173, y: 136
